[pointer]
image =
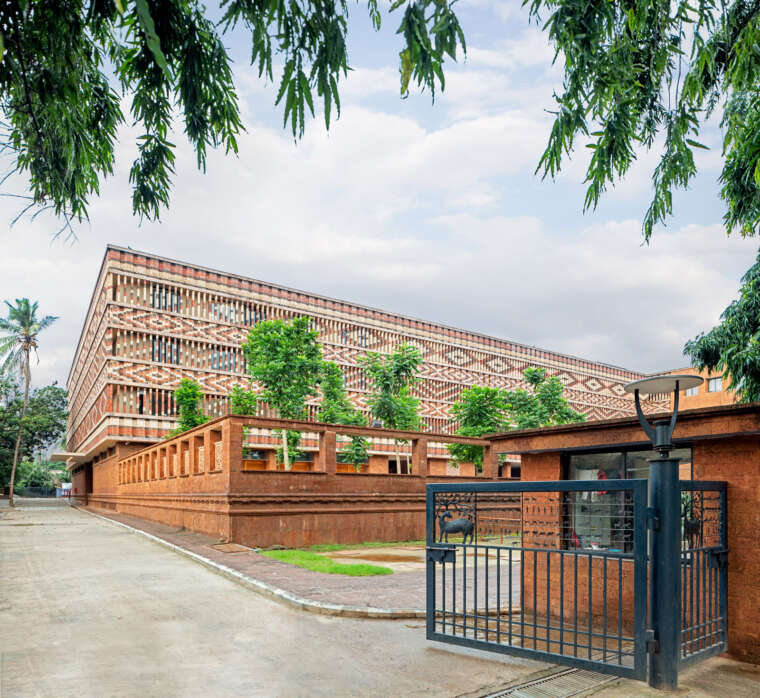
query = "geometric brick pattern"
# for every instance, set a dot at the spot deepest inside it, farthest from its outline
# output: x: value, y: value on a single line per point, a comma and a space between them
x: 153, y: 321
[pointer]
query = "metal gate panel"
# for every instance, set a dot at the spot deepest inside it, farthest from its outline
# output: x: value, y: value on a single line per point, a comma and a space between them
x: 704, y: 565
x: 555, y: 571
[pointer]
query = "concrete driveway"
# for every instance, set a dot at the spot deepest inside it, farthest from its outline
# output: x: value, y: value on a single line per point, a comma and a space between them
x: 89, y: 609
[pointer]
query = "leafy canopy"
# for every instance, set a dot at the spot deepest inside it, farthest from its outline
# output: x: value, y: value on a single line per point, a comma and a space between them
x: 483, y: 410
x: 243, y: 401
x: 543, y: 404
x: 60, y: 112
x: 479, y: 410
x: 43, y: 424
x: 733, y: 346
x: 19, y: 335
x: 34, y: 474
x: 646, y: 73
x: 336, y: 408
x: 286, y: 361
x: 188, y: 396
x: 392, y: 376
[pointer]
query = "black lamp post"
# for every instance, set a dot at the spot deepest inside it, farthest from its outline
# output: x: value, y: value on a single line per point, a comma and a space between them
x: 665, y: 508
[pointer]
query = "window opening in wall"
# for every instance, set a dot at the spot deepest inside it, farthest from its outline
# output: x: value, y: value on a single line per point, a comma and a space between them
x: 140, y: 403
x: 714, y: 385
x: 601, y: 520
x: 691, y: 392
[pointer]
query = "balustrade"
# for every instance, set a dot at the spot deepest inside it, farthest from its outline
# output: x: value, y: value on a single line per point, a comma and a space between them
x: 217, y: 447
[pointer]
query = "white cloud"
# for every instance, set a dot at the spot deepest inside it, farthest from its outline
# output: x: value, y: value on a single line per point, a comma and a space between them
x: 432, y: 212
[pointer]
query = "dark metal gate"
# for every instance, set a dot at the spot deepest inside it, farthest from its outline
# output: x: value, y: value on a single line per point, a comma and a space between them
x: 704, y: 566
x: 581, y: 572
x: 516, y: 576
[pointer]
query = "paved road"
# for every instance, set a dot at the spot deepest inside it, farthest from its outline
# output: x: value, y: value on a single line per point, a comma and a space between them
x: 89, y: 609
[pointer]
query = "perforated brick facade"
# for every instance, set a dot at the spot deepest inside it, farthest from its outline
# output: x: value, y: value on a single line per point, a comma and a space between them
x: 153, y: 321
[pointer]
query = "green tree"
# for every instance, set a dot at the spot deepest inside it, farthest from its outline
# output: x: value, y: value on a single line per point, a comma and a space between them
x: 733, y: 346
x: 479, y: 410
x: 19, y: 334
x: 189, y: 397
x: 243, y: 401
x: 43, y: 424
x: 392, y: 376
x: 644, y: 73
x: 60, y: 111
x: 34, y: 474
x: 286, y: 361
x: 335, y: 408
x: 542, y: 405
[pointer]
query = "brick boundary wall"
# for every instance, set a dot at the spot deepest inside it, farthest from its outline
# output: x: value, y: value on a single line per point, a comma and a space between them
x: 725, y: 444
x: 197, y: 481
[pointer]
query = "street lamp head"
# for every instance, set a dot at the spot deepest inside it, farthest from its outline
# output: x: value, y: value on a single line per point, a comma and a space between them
x: 661, y: 433
x: 666, y: 383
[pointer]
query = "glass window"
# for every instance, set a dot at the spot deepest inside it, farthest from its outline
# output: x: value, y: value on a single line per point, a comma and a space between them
x: 596, y: 517
x: 714, y: 385
x: 691, y: 392
x: 601, y: 520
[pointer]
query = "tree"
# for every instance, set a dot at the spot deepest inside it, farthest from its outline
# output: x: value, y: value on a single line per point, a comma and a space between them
x: 19, y: 334
x: 243, y: 401
x: 479, y: 410
x: 644, y: 72
x: 188, y: 396
x: 335, y: 408
x: 542, y: 405
x: 43, y: 424
x: 286, y: 361
x: 34, y: 474
x: 60, y: 111
x: 392, y: 376
x: 733, y: 346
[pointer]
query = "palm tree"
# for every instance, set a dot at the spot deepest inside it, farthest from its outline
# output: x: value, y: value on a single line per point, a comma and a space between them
x: 18, y: 339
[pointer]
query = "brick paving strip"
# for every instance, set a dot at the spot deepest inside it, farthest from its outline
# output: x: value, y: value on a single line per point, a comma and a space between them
x: 400, y: 595
x: 328, y: 594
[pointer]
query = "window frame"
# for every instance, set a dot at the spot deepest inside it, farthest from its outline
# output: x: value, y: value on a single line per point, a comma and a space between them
x: 716, y: 380
x: 568, y: 474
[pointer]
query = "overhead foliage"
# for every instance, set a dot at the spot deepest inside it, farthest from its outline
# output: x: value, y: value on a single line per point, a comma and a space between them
x: 60, y: 112
x: 645, y: 74
x: 733, y: 346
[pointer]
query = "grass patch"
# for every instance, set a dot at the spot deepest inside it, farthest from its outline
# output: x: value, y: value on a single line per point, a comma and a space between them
x: 319, y: 563
x: 331, y: 547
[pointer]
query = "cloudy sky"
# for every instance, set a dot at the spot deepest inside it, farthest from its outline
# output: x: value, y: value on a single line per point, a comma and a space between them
x: 430, y: 210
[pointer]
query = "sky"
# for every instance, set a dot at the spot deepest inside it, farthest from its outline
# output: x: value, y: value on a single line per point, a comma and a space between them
x: 427, y: 209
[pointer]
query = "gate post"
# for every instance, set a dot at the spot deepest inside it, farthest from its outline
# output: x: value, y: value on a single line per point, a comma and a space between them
x: 665, y: 574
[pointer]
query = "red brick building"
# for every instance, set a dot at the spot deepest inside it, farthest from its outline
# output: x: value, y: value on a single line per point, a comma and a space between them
x: 153, y: 321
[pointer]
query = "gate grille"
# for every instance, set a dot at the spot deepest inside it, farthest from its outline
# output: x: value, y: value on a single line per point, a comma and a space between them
x: 703, y: 570
x: 553, y: 571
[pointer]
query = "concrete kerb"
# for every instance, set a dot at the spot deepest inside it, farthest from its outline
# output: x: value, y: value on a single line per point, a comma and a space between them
x: 280, y: 595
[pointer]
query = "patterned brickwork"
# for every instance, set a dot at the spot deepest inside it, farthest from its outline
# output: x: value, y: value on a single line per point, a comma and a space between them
x: 153, y: 321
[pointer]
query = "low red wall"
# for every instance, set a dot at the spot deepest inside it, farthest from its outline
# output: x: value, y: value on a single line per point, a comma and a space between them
x: 726, y: 447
